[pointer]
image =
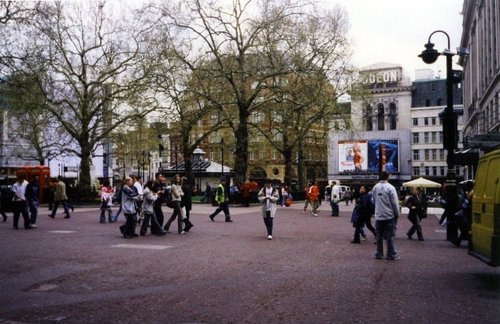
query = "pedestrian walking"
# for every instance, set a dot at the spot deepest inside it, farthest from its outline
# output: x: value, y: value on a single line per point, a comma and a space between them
x: 222, y: 201
x: 314, y: 198
x: 334, y: 199
x: 415, y: 214
x: 60, y: 197
x: 149, y: 197
x: 161, y: 190
x: 186, y: 203
x: 364, y: 209
x: 129, y: 198
x: 207, y: 195
x: 118, y: 199
x: 177, y: 193
x: 19, y: 204
x: 106, y: 193
x: 32, y: 192
x: 268, y: 197
x: 284, y: 194
x: 385, y: 199
x: 139, y: 188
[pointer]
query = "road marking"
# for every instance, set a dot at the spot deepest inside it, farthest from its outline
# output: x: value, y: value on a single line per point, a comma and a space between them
x: 440, y: 231
x: 62, y: 232
x: 142, y: 246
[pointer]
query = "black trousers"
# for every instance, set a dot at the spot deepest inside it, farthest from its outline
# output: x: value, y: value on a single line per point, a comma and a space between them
x: 20, y: 208
x: 130, y: 224
x: 364, y: 220
x: 155, y: 226
x: 159, y: 218
x: 268, y: 220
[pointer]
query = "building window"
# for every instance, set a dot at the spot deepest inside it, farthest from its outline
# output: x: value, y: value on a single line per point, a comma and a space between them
x: 415, y: 121
x: 369, y: 118
x: 427, y: 102
x: 433, y: 120
x: 426, y: 121
x: 380, y: 117
x: 426, y: 152
x: 434, y: 171
x: 439, y: 102
x: 442, y: 171
x: 416, y: 155
x: 416, y: 171
x: 440, y: 137
x: 252, y: 155
x: 392, y: 116
x: 416, y: 137
x: 426, y: 137
x: 273, y: 155
x: 434, y: 155
x: 427, y: 171
x: 434, y: 137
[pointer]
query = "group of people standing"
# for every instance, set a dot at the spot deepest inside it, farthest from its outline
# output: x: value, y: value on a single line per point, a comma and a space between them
x: 147, y: 200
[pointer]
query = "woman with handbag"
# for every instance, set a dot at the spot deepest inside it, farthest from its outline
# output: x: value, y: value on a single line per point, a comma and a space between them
x: 415, y: 214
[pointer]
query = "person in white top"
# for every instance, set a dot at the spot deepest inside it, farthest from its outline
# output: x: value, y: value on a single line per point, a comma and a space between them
x: 268, y: 196
x: 140, y: 190
x: 335, y: 198
x: 19, y: 202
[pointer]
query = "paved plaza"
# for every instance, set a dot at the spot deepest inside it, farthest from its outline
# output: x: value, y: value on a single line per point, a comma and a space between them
x: 79, y: 271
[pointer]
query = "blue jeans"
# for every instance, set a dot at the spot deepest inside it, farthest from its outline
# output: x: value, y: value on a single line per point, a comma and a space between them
x: 33, y: 209
x: 385, y: 229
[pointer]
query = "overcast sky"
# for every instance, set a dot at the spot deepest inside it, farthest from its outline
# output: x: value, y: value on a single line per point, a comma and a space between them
x: 395, y: 31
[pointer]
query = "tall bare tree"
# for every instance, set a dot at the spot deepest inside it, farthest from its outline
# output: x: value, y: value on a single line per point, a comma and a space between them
x: 241, y: 51
x: 96, y: 68
x: 226, y: 46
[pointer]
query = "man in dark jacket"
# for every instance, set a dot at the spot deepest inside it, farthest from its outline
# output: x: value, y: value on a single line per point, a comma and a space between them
x: 365, y: 209
x: 32, y: 200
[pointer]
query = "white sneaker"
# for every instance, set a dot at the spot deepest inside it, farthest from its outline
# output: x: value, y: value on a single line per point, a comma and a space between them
x: 33, y: 226
x: 182, y: 233
x: 315, y: 215
x: 269, y: 237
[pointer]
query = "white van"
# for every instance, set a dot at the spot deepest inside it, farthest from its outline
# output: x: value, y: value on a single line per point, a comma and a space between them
x: 345, y: 192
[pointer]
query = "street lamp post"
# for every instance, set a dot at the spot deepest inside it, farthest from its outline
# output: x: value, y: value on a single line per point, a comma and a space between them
x: 175, y: 152
x: 222, y: 148
x: 449, y: 121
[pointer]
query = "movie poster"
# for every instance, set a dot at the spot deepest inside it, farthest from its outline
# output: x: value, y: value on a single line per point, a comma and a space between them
x: 390, y: 157
x: 353, y: 156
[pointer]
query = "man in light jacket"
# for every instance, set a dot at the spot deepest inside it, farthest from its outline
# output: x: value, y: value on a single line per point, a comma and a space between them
x: 129, y: 198
x: 385, y: 199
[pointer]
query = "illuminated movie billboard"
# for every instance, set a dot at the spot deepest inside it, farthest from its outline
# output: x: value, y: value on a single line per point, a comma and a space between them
x: 352, y: 155
x: 363, y: 155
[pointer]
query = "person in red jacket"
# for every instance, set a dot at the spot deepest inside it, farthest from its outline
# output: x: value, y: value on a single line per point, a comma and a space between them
x: 314, y: 198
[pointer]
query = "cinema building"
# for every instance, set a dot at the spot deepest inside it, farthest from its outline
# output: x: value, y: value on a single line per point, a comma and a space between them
x: 394, y: 127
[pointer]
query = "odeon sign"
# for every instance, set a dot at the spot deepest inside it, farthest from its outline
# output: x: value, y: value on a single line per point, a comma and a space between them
x: 382, y: 77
